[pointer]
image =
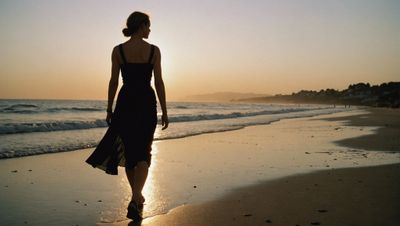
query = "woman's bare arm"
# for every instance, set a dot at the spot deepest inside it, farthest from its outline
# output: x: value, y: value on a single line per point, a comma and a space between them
x: 160, y: 88
x: 113, y: 84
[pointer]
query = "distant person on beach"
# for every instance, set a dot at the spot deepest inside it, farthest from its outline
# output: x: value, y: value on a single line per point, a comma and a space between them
x: 134, y: 119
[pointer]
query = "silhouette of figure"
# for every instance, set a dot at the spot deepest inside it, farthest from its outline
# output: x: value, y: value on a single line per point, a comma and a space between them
x: 129, y: 137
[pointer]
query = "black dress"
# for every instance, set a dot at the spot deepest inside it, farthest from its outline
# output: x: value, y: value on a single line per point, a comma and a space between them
x: 129, y: 137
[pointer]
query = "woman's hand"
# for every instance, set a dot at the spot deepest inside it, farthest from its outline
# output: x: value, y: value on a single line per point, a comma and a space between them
x: 164, y: 121
x: 108, y: 118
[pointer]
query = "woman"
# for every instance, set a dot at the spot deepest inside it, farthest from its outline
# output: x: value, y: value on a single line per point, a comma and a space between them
x: 131, y: 127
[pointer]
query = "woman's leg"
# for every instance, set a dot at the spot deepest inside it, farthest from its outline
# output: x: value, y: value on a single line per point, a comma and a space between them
x: 137, y: 178
x: 138, y: 175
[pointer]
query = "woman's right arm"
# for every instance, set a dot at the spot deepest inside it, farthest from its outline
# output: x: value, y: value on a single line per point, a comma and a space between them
x: 113, y: 84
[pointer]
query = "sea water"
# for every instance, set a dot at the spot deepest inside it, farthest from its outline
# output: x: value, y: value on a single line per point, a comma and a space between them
x: 30, y: 127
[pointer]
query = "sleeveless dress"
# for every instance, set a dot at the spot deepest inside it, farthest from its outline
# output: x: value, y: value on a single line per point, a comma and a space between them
x: 128, y: 139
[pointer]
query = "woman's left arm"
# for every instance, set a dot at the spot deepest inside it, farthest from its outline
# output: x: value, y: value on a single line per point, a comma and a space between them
x: 160, y: 88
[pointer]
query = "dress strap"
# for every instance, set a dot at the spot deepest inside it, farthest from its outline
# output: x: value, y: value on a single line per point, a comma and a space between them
x: 151, y: 54
x: 121, y: 51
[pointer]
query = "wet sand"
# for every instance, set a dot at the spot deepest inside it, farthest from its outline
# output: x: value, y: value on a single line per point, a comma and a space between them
x: 287, y: 173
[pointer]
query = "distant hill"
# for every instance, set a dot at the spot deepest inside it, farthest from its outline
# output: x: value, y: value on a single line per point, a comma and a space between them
x: 222, y: 97
x: 383, y: 95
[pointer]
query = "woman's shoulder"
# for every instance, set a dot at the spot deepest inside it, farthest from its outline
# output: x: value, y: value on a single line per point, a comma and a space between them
x: 115, y: 48
x: 156, y: 49
x: 118, y: 45
x: 151, y: 44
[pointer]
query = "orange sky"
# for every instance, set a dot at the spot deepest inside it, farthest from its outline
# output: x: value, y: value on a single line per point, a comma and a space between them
x: 61, y: 49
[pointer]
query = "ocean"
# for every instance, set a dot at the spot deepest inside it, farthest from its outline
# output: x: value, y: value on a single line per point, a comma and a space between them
x: 31, y: 127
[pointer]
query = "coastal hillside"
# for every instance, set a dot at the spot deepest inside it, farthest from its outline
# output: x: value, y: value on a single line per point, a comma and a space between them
x: 383, y: 95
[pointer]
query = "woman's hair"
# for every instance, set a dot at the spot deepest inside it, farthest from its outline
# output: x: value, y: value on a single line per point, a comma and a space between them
x: 134, y: 22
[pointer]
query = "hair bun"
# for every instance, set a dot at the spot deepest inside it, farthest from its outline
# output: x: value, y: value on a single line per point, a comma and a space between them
x: 126, y: 32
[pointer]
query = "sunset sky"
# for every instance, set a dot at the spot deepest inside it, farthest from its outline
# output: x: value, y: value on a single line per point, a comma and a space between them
x: 55, y: 49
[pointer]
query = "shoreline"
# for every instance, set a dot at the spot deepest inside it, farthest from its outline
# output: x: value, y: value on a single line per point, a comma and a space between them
x: 55, y: 175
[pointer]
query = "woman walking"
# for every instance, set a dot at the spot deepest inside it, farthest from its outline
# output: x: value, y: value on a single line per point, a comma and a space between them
x: 129, y: 137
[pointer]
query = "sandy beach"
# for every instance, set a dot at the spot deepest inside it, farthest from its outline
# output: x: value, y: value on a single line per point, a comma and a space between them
x: 338, y: 169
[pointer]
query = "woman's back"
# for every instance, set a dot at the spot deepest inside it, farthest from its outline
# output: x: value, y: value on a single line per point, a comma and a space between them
x: 136, y: 52
x: 136, y: 64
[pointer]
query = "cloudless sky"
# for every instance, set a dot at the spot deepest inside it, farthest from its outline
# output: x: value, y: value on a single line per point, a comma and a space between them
x: 62, y: 49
